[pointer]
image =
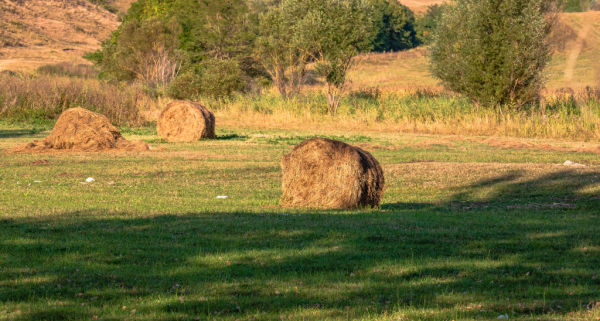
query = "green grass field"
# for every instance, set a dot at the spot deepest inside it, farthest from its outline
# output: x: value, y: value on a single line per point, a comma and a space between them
x: 466, y: 230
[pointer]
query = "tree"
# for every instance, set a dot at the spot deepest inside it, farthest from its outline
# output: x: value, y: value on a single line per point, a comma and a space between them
x: 279, y: 51
x: 333, y: 32
x: 427, y: 24
x: 395, y: 25
x: 144, y: 50
x: 493, y: 51
x: 186, y: 37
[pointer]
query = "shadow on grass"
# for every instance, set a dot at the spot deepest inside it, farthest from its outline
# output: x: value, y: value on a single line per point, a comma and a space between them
x: 520, y: 261
x: 232, y: 137
x: 14, y: 133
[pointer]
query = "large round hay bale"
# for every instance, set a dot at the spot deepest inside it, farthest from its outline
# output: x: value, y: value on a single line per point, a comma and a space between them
x: 185, y: 121
x: 325, y: 173
x: 79, y: 129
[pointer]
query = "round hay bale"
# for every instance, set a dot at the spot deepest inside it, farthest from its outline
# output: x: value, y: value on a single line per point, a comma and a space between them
x: 79, y: 129
x: 325, y: 173
x: 185, y: 121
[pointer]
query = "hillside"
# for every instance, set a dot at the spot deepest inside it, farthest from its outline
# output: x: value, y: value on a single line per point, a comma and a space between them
x: 38, y: 32
x: 420, y: 6
x: 574, y: 64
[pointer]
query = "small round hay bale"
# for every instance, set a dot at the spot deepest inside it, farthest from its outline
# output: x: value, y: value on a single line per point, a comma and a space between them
x: 79, y: 129
x: 185, y: 121
x: 325, y: 173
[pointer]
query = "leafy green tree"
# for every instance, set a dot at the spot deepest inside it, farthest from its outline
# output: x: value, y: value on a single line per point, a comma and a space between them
x: 395, y: 25
x: 192, y: 34
x: 145, y: 50
x: 333, y: 32
x: 493, y: 51
x: 426, y: 25
x: 279, y: 50
x: 213, y: 78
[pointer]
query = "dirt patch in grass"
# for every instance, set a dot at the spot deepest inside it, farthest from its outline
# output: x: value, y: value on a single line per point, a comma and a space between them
x: 39, y: 162
x: 65, y: 174
x: 537, y: 206
x: 156, y: 174
x: 429, y: 143
x: 517, y: 144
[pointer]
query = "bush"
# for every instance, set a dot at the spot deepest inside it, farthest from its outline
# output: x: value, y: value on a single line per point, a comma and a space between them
x: 576, y: 5
x: 214, y: 78
x: 68, y: 69
x: 395, y: 25
x: 493, y: 51
x: 145, y: 51
x: 426, y: 25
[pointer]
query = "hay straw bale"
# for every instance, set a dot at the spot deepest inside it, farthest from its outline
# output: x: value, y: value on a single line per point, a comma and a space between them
x: 79, y: 129
x: 324, y: 173
x: 185, y: 121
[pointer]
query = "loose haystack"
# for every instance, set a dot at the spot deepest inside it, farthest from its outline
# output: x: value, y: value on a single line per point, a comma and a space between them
x: 325, y: 173
x: 185, y: 121
x: 81, y: 130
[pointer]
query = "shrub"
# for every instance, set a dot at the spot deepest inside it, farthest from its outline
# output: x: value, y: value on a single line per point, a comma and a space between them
x: 427, y: 24
x: 576, y: 5
x: 144, y: 51
x: 395, y: 25
x: 493, y: 51
x: 68, y: 69
x: 214, y: 78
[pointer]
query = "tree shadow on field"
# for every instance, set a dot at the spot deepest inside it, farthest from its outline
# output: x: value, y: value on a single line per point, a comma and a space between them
x: 231, y: 137
x: 340, y: 265
x: 14, y: 133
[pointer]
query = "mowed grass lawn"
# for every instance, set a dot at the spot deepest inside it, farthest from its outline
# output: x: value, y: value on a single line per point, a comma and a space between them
x: 468, y: 229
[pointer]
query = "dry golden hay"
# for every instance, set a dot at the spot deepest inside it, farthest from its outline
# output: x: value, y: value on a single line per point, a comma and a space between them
x: 185, y: 121
x: 324, y: 173
x: 79, y: 129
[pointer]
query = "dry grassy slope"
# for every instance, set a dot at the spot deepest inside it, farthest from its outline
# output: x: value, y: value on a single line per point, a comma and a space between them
x: 37, y: 32
x: 420, y: 6
x: 124, y: 4
x: 401, y: 70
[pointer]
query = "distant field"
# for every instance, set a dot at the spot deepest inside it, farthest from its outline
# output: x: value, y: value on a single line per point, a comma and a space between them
x: 393, y: 71
x: 469, y: 229
x: 420, y: 6
x: 47, y: 32
x: 37, y: 32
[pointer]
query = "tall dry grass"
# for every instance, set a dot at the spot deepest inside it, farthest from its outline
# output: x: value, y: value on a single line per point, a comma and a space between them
x: 28, y: 97
x: 560, y: 116
x: 68, y: 69
x: 563, y: 114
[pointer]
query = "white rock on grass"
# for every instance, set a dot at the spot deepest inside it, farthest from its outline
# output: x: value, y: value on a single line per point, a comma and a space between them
x: 570, y: 163
x: 90, y: 179
x: 222, y: 197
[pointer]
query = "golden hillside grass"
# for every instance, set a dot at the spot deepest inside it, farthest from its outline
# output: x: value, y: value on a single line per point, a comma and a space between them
x: 38, y: 32
x: 409, y: 69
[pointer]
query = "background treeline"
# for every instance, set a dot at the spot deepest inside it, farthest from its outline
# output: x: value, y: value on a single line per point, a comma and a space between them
x: 189, y: 49
x: 200, y: 48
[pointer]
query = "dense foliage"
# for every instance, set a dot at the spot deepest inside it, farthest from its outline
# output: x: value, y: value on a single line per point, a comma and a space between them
x: 177, y: 45
x: 395, y: 25
x: 493, y: 51
x: 426, y: 25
